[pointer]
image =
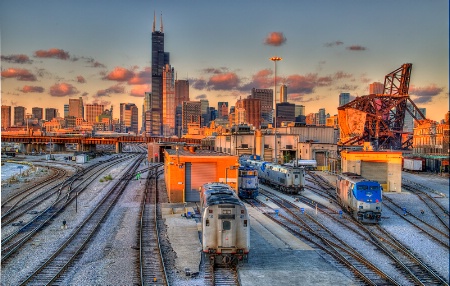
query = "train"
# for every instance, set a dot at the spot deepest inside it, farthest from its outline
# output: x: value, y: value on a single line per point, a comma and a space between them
x: 225, y: 225
x: 308, y: 164
x: 247, y: 182
x: 287, y: 179
x: 359, y: 197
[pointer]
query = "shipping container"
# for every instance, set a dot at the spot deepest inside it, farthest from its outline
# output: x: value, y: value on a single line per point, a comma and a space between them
x: 413, y: 164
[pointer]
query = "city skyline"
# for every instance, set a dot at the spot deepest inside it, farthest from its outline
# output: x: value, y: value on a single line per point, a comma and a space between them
x: 101, y: 50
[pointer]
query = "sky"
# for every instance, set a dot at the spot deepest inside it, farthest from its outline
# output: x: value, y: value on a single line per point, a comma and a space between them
x: 100, y: 50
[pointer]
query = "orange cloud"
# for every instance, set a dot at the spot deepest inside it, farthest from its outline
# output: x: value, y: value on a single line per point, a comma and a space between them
x: 143, y: 77
x: 224, y: 81
x: 62, y: 89
x: 140, y: 90
x: 52, y: 53
x: 120, y: 74
x: 20, y: 74
x: 28, y: 88
x: 81, y: 79
x: 275, y: 39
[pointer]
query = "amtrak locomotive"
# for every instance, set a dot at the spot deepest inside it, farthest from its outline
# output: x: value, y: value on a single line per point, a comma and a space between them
x: 247, y: 182
x: 288, y: 179
x: 360, y: 197
x: 225, y: 224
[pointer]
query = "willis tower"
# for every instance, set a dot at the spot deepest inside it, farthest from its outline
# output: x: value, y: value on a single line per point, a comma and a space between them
x: 159, y: 60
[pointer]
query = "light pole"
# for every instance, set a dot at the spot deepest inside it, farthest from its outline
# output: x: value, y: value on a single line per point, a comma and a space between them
x: 275, y: 60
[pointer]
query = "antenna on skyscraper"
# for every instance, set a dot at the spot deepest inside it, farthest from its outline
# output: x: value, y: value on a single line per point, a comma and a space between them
x: 154, y: 21
x: 161, y: 28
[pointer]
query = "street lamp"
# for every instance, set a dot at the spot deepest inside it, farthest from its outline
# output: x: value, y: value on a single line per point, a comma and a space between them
x: 275, y: 60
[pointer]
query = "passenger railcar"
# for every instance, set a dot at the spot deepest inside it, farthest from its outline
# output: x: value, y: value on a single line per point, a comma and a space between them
x: 287, y: 179
x: 360, y: 197
x: 247, y: 182
x: 225, y: 224
x: 308, y: 164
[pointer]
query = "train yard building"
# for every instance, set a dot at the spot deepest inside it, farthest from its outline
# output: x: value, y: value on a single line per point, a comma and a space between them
x: 382, y: 166
x: 187, y: 169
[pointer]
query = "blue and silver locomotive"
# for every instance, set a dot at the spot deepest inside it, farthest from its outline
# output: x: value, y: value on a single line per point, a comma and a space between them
x: 360, y: 197
x: 247, y: 182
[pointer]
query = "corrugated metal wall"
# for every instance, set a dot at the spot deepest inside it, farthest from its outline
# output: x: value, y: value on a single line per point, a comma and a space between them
x: 376, y: 171
x: 198, y: 174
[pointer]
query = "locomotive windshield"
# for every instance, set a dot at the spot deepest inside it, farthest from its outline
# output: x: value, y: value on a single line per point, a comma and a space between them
x: 367, y: 192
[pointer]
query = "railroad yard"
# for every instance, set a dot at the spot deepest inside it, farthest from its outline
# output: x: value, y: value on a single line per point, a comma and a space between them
x: 109, y: 222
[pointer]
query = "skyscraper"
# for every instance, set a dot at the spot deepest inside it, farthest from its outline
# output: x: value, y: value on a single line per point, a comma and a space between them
x: 285, y: 112
x: 181, y: 91
x: 76, y: 107
x: 205, y: 112
x: 50, y: 113
x: 129, y: 117
x: 283, y: 93
x: 159, y: 61
x: 168, y: 101
x: 37, y: 112
x: 222, y: 108
x: 266, y: 97
x: 192, y: 112
x: 252, y: 114
x: 66, y: 110
x: 6, y: 116
x: 376, y: 88
x: 300, y: 113
x: 344, y: 98
x: 19, y: 115
x: 93, y: 111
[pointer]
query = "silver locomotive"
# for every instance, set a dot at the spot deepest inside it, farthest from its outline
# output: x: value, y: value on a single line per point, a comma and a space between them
x: 225, y: 224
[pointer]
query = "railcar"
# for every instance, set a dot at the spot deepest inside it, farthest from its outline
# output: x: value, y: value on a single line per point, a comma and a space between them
x: 247, y: 182
x: 360, y: 197
x: 308, y: 164
x: 287, y: 179
x: 225, y: 225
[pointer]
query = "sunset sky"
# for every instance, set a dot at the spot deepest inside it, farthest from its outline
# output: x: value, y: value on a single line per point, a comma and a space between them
x: 53, y: 50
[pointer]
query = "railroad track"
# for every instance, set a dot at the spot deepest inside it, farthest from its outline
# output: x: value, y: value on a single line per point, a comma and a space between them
x: 51, y: 271
x: 151, y: 262
x: 308, y: 228
x: 433, y: 205
x: 436, y: 234
x: 12, y: 243
x: 415, y: 270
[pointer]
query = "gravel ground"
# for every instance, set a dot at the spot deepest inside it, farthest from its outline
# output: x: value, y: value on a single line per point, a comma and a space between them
x: 111, y: 259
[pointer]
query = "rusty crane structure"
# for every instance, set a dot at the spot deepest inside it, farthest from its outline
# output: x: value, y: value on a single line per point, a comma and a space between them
x: 379, y: 118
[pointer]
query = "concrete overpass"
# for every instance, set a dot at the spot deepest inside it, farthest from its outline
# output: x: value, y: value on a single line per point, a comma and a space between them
x: 39, y: 143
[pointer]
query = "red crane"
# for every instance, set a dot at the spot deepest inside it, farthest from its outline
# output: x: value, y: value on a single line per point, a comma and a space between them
x: 379, y: 118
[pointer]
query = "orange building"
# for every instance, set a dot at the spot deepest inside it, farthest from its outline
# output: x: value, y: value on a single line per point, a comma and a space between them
x: 382, y: 166
x: 185, y: 170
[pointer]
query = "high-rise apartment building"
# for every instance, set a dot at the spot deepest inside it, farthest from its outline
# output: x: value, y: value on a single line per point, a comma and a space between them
x: 376, y: 88
x: 50, y: 113
x: 6, y: 116
x: 168, y: 101
x: 129, y: 118
x: 159, y: 61
x: 408, y: 123
x: 19, y: 115
x: 93, y: 111
x: 266, y: 98
x: 322, y: 117
x: 38, y: 112
x: 191, y: 113
x: 344, y: 98
x: 222, y: 109
x: 283, y: 93
x: 76, y: 107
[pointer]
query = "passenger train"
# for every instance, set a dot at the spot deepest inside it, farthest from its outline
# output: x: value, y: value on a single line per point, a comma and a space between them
x: 288, y: 179
x: 308, y: 164
x: 247, y: 182
x: 360, y: 197
x: 225, y: 224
